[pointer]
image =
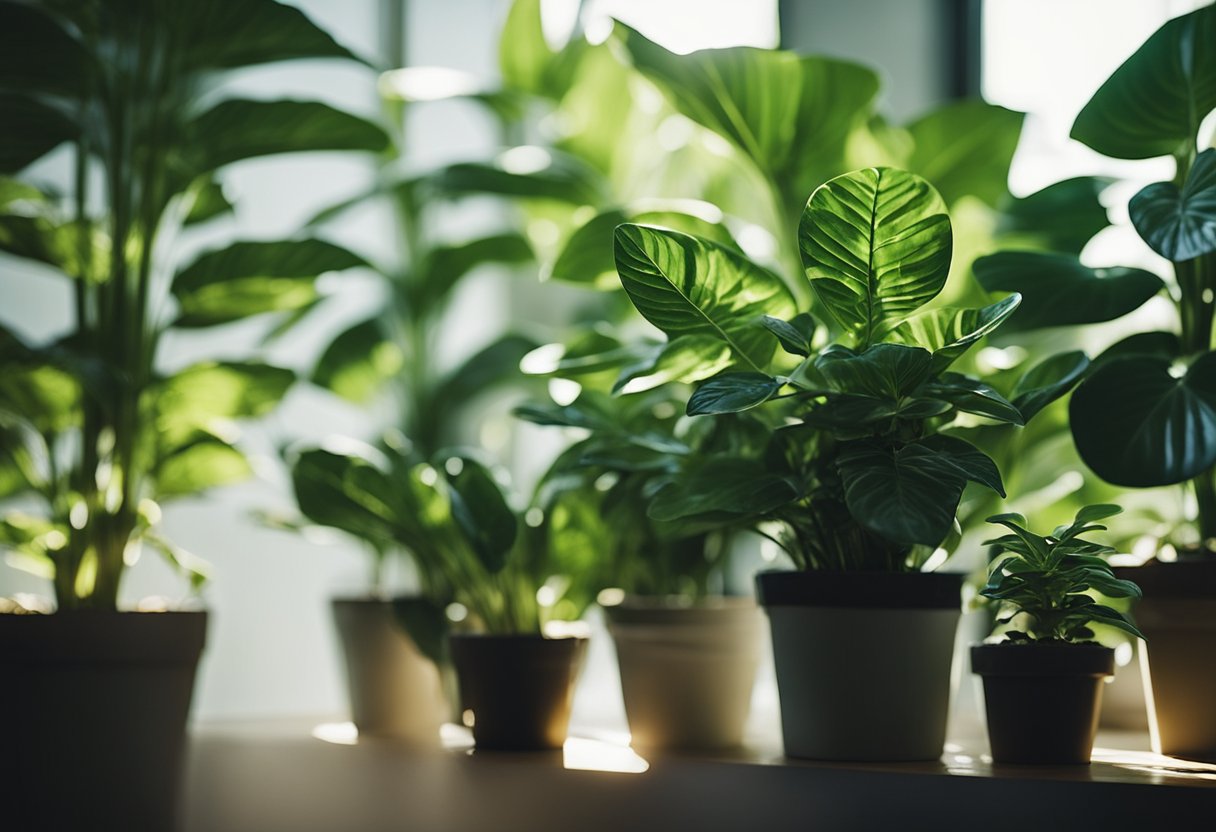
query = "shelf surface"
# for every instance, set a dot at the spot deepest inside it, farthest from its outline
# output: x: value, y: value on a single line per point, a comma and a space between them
x: 304, y: 776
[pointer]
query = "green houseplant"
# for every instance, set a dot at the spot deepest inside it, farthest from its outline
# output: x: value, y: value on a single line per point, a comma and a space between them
x: 1143, y: 416
x: 860, y: 475
x: 687, y: 652
x: 1043, y: 685
x: 93, y: 430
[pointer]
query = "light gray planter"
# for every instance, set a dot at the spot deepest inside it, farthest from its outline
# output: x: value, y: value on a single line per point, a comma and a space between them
x: 395, y: 691
x: 686, y: 672
x: 863, y: 662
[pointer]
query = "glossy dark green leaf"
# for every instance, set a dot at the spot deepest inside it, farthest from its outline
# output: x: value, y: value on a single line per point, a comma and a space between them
x: 907, y: 495
x: 973, y: 396
x: 965, y: 148
x: 425, y: 621
x: 1047, y: 381
x: 1062, y: 217
x: 227, y: 35
x: 533, y: 172
x: 725, y: 487
x: 347, y: 492
x: 795, y: 335
x: 1165, y: 345
x: 876, y: 246
x: 239, y: 129
x: 32, y: 130
x: 975, y: 465
x: 1057, y: 290
x: 949, y: 332
x: 250, y: 278
x: 1179, y: 223
x: 37, y: 54
x: 358, y: 362
x: 1153, y: 104
x: 1136, y: 424
x: 481, y: 512
x: 208, y: 463
x: 731, y: 393
x: 884, y: 370
x: 688, y: 286
x: 209, y: 202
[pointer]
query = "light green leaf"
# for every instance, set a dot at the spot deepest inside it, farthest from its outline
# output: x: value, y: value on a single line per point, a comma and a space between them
x: 1153, y: 104
x: 251, y: 278
x: 1179, y: 224
x: 524, y: 55
x: 209, y: 202
x: 688, y: 358
x: 358, y: 362
x: 1057, y: 290
x: 688, y: 286
x: 528, y: 172
x: 206, y: 396
x: 964, y: 148
x: 876, y: 247
x: 201, y: 465
x: 237, y: 129
x: 949, y: 332
x: 1135, y: 424
x: 446, y: 265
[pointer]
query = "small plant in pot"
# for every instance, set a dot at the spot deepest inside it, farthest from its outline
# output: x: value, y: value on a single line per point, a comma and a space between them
x: 860, y: 476
x: 1143, y: 417
x: 688, y: 654
x: 96, y: 431
x: 1043, y: 683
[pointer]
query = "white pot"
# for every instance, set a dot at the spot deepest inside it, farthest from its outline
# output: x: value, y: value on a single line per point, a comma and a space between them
x: 863, y: 662
x: 395, y: 691
x: 687, y: 672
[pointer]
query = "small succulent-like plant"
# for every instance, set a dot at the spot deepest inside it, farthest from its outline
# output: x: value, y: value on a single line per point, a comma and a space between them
x: 1047, y: 580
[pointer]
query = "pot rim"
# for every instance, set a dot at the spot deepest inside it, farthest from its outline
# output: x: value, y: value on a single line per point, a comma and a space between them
x: 1042, y: 659
x: 860, y: 590
x: 1173, y: 579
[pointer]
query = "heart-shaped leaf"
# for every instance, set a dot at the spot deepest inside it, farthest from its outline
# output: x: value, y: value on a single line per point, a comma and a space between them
x: 907, y: 495
x: 949, y: 332
x: 876, y: 246
x: 1137, y: 424
x: 1179, y: 224
x: 1153, y: 104
x: 1047, y: 381
x: 732, y: 392
x: 688, y: 286
x: 1057, y: 290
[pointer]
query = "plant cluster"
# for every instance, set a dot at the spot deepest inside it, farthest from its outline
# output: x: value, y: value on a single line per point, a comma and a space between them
x: 1046, y: 585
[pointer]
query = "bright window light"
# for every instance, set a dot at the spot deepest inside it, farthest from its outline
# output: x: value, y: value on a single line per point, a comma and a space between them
x: 679, y: 25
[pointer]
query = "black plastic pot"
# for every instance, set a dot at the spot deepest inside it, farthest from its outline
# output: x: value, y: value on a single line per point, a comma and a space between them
x: 93, y: 709
x: 1178, y: 618
x: 517, y: 689
x: 863, y: 661
x: 1042, y: 700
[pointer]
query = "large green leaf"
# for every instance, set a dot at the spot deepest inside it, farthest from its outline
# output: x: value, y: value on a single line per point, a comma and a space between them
x: 37, y: 54
x: 1047, y: 381
x: 235, y: 33
x: 347, y: 491
x: 524, y: 56
x: 206, y: 396
x: 726, y: 488
x: 209, y: 202
x: 1153, y: 104
x: 45, y: 396
x: 358, y: 362
x: 889, y: 371
x: 687, y: 358
x: 242, y: 129
x: 965, y: 148
x: 907, y: 495
x: 1179, y: 224
x: 530, y: 172
x: 973, y: 396
x: 250, y: 278
x: 949, y: 332
x: 1062, y: 217
x: 1058, y: 290
x: 446, y: 265
x: 1136, y: 424
x: 876, y: 246
x: 207, y: 463
x: 32, y: 130
x: 688, y: 286
x: 481, y: 511
x: 493, y: 365
x: 975, y: 465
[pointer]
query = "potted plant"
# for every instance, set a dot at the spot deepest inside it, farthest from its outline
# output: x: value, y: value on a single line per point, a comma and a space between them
x: 860, y: 473
x: 1043, y: 684
x: 1142, y: 417
x: 95, y: 431
x: 687, y: 652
